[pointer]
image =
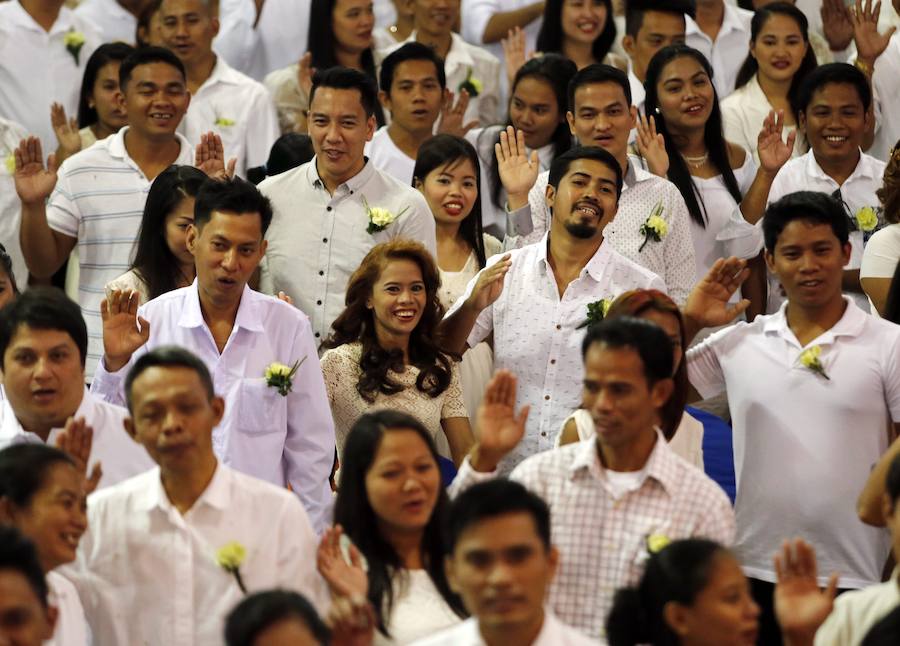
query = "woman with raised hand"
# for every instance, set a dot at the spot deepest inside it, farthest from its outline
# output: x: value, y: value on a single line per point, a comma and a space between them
x: 383, y: 352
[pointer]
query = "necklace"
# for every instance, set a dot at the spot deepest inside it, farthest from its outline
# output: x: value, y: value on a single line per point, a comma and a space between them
x: 697, y: 162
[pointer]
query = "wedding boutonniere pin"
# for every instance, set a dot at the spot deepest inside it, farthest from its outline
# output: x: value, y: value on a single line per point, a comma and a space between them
x: 74, y: 41
x: 281, y: 376
x: 223, y: 122
x: 230, y: 557
x: 657, y: 542
x: 654, y: 227
x: 11, y: 163
x: 866, y: 219
x: 596, y: 312
x: 471, y: 85
x: 379, y: 218
x: 810, y: 359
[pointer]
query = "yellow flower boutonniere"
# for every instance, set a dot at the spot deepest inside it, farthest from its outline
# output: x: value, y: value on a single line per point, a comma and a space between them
x: 811, y: 360
x: 657, y: 542
x: 471, y: 85
x: 281, y: 376
x: 596, y: 312
x: 11, y: 163
x: 654, y: 227
x: 230, y: 557
x: 223, y: 122
x: 866, y: 219
x: 74, y: 41
x: 379, y: 218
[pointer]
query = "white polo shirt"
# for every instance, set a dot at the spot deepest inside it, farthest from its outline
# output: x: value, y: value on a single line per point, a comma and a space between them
x: 238, y: 109
x: 467, y: 633
x: 386, y: 157
x: 36, y: 69
x: 99, y: 199
x: 112, y: 20
x: 727, y: 53
x: 804, y: 445
x: 11, y: 134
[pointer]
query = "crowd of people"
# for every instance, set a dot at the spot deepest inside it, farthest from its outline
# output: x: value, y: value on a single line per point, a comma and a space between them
x: 449, y: 322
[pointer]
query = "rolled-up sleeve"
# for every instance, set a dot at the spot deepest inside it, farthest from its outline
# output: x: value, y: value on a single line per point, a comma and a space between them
x: 478, y: 13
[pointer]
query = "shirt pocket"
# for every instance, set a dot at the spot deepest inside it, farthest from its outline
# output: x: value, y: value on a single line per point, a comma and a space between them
x: 261, y: 408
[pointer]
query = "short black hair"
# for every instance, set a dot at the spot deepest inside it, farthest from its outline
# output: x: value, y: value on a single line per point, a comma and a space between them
x: 289, y: 151
x: 412, y: 51
x: 344, y: 78
x: 43, y: 308
x: 838, y: 73
x: 644, y: 337
x: 635, y: 10
x: 168, y: 356
x: 233, y: 195
x: 560, y: 165
x: 809, y: 206
x: 24, y: 468
x: 18, y: 553
x: 598, y: 73
x: 496, y: 498
x: 261, y: 610
x: 146, y: 56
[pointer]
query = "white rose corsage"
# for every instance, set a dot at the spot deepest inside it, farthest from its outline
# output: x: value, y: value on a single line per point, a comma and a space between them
x: 654, y: 227
x: 74, y: 41
x: 379, y: 218
x: 866, y: 219
x: 230, y: 557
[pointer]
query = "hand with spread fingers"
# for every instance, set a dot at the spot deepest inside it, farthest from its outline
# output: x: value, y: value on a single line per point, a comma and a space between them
x: 800, y: 605
x: 518, y: 170
x: 123, y: 330
x: 708, y: 303
x: 66, y: 130
x: 209, y: 157
x: 774, y: 152
x: 34, y: 182
x: 498, y: 427
x: 346, y: 577
x: 453, y: 114
x: 76, y: 440
x: 652, y: 146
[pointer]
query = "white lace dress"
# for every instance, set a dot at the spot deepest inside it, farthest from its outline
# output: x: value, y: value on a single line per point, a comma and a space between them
x: 418, y: 611
x: 477, y: 363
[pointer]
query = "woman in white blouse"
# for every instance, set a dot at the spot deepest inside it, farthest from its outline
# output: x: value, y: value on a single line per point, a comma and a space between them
x: 723, y: 189
x: 780, y: 57
x: 882, y: 252
x: 392, y: 505
x: 383, y: 352
x: 42, y: 493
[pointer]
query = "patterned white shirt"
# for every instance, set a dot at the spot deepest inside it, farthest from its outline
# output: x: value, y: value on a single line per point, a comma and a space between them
x: 727, y: 53
x: 537, y: 335
x: 317, y: 240
x: 602, y: 534
x: 672, y: 258
x: 99, y: 199
x: 281, y: 439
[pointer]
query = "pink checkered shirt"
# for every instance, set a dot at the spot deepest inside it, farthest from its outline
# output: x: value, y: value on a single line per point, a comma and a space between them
x: 602, y: 540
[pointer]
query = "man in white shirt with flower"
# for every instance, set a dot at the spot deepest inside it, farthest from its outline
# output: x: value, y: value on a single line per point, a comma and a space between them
x: 331, y: 211
x: 163, y: 536
x: 535, y: 299
x: 279, y: 432
x: 813, y: 391
x: 223, y: 100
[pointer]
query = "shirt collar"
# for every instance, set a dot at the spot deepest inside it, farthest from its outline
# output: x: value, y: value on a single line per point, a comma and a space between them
x: 661, y: 465
x: 354, y: 184
x: 247, y: 317
x: 21, y: 18
x: 851, y: 324
x: 216, y: 495
x: 731, y: 21
x: 116, y: 147
x: 11, y: 429
x: 865, y: 169
x: 222, y: 72
x: 635, y: 174
x: 594, y: 267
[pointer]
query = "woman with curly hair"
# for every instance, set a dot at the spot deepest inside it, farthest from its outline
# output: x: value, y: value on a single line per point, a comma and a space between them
x: 383, y: 352
x: 882, y: 252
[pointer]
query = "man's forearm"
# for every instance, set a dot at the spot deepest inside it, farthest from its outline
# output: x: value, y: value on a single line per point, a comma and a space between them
x: 39, y: 243
x: 500, y: 23
x: 454, y: 330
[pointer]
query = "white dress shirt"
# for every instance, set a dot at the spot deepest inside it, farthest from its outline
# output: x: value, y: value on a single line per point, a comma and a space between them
x: 238, y: 109
x: 463, y: 59
x: 537, y: 335
x: 71, y: 627
x: 672, y: 258
x: 743, y: 114
x: 794, y: 430
x: 36, y: 69
x: 112, y: 20
x: 727, y: 53
x: 277, y: 40
x: 638, y: 94
x: 99, y: 199
x: 317, y: 240
x: 148, y: 574
x: 553, y: 633
x: 384, y: 154
x: 886, y: 85
x: 120, y: 456
x: 281, y: 439
x: 476, y: 15
x: 804, y: 174
x: 11, y: 134
x: 601, y: 530
x: 856, y: 612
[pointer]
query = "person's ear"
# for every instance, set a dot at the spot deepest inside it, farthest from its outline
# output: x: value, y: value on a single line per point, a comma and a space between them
x: 371, y: 126
x: 384, y: 99
x: 120, y: 101
x: 632, y: 112
x: 801, y: 122
x: 553, y: 560
x: 262, y: 248
x: 887, y: 507
x: 6, y: 511
x: 661, y: 392
x: 570, y: 119
x: 550, y: 196
x: 846, y: 251
x: 628, y: 45
x: 450, y: 571
x: 52, y: 618
x: 218, y: 407
x: 214, y: 25
x: 770, y: 260
x: 128, y: 423
x: 676, y: 617
x: 190, y: 239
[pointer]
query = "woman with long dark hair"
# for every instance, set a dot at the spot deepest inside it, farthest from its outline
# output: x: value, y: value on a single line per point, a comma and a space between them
x: 877, y: 273
x: 392, y: 506
x: 447, y: 173
x: 383, y: 351
x: 162, y: 261
x: 581, y: 30
x: 780, y: 57
x: 537, y: 107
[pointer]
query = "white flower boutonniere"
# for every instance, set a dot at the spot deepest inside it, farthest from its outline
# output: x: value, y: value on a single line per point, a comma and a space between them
x: 379, y: 218
x: 471, y: 85
x: 281, y: 376
x: 866, y: 219
x: 654, y: 227
x: 74, y: 41
x: 811, y: 360
x: 230, y: 557
x: 11, y: 163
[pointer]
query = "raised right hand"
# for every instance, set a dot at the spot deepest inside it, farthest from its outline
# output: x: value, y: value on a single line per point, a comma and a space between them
x: 489, y: 284
x: 121, y: 336
x: 305, y: 72
x: 837, y: 25
x: 34, y: 182
x: 76, y: 439
x: 652, y: 146
x: 518, y: 170
x: 344, y: 579
x: 514, y: 54
x: 66, y: 131
x: 498, y: 428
